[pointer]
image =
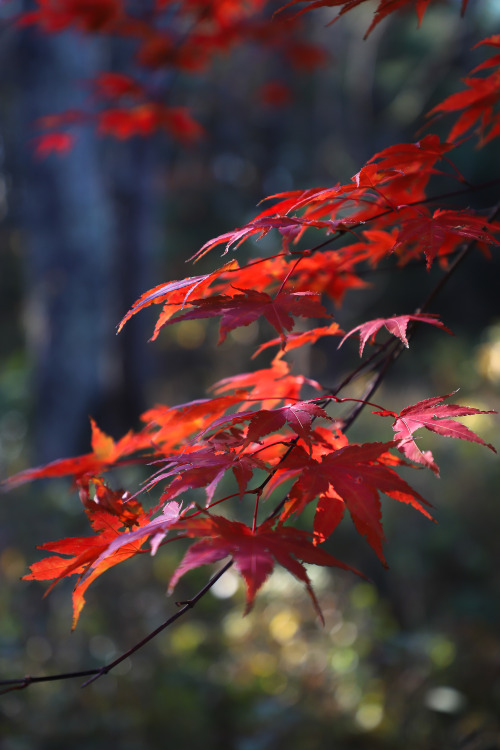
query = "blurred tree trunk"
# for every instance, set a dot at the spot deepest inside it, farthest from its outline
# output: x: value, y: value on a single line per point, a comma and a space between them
x: 88, y: 238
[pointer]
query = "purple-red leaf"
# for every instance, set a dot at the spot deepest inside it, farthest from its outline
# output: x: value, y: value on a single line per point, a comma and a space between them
x: 253, y: 552
x: 435, y: 416
x: 396, y: 325
x: 242, y: 309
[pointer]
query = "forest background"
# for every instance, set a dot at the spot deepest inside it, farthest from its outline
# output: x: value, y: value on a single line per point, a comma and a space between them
x: 411, y: 659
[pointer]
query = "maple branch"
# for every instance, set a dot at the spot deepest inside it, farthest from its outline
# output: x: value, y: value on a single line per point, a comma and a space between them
x: 291, y: 445
x: 24, y: 682
x: 370, y: 361
x: 395, y: 349
x: 292, y: 269
x: 256, y: 510
x: 185, y: 608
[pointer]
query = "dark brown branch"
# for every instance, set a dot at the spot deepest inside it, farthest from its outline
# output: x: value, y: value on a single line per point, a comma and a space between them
x: 94, y: 674
x: 23, y: 682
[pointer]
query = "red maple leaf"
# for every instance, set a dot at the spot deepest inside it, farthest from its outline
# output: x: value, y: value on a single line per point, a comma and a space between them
x: 171, y: 427
x: 87, y: 15
x: 155, y: 530
x: 254, y: 552
x: 328, y: 272
x: 49, y: 143
x: 298, y: 416
x: 116, y: 85
x: 242, y: 309
x: 174, y: 295
x: 477, y: 101
x: 291, y: 227
x: 429, y: 233
x: 405, y: 168
x: 145, y: 119
x: 351, y: 476
x: 295, y: 340
x: 377, y: 244
x: 84, y: 552
x: 105, y: 454
x: 396, y: 325
x: 116, y: 502
x: 205, y: 468
x: 435, y: 416
x: 269, y: 385
x: 412, y: 158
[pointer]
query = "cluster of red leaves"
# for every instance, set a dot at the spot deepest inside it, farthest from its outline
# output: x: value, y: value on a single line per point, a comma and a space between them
x: 261, y: 428
x: 320, y: 464
x: 478, y: 104
x: 128, y: 112
x: 215, y: 28
x: 128, y: 109
x: 111, y: 515
x: 86, y: 15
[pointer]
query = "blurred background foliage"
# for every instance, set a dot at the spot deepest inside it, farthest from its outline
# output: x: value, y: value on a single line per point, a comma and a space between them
x: 409, y: 660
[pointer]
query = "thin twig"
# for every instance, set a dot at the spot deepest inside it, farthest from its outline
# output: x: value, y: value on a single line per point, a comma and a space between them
x: 23, y: 682
x: 184, y: 608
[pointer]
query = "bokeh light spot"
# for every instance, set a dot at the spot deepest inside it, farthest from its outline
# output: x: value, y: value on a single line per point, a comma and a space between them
x: 369, y: 716
x: 284, y: 625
